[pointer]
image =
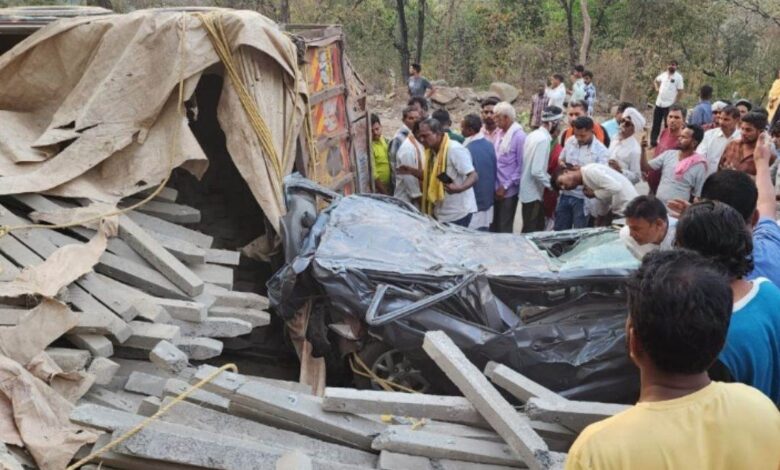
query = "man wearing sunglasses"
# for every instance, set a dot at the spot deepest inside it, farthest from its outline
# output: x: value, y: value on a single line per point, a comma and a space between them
x: 625, y: 153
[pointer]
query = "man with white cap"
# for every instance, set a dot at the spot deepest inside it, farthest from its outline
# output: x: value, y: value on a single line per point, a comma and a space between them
x: 625, y: 153
x: 715, y: 140
x: 534, y: 179
x: 717, y: 107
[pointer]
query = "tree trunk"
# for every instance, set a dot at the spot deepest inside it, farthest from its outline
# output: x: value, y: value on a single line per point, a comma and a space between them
x: 420, y: 31
x: 585, y: 46
x: 402, y: 43
x: 568, y: 7
x: 284, y: 11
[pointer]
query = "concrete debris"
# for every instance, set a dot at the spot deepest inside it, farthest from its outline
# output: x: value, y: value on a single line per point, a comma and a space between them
x: 103, y: 369
x: 169, y: 357
x: 200, y: 349
x: 161, y: 294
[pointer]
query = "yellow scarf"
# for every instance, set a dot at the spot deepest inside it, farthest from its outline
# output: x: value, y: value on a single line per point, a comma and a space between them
x: 433, y: 188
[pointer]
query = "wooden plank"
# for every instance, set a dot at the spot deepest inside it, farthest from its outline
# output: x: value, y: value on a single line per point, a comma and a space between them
x: 154, y: 224
x: 159, y: 257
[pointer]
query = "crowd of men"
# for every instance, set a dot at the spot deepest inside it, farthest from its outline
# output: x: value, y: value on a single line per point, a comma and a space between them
x: 704, y: 307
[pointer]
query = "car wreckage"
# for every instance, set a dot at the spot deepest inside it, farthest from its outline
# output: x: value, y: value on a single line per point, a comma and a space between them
x: 379, y: 274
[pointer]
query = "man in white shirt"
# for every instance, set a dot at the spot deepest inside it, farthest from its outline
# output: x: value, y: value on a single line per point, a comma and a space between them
x: 648, y: 227
x: 715, y: 140
x: 581, y: 149
x: 625, y: 153
x: 669, y: 85
x: 410, y: 161
x: 556, y: 94
x: 534, y: 179
x: 459, y: 203
x: 577, y: 91
x: 610, y: 188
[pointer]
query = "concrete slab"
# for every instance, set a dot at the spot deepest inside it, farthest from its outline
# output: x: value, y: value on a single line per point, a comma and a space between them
x: 146, y: 384
x: 169, y: 357
x: 517, y: 384
x: 127, y: 462
x: 154, y: 224
x: 303, y: 413
x: 115, y: 400
x: 149, y: 406
x: 184, y: 251
x: 69, y: 360
x: 573, y: 415
x: 256, y: 318
x: 185, y: 310
x: 172, y: 212
x: 147, y: 335
x: 214, y: 328
x: 514, y: 428
x: 227, y: 383
x: 199, y: 349
x: 214, y: 274
x: 175, y: 387
x: 156, y: 255
x: 237, y: 299
x: 97, y: 345
x: 431, y: 445
x: 148, y: 310
x: 103, y: 369
x: 225, y: 257
x: 95, y: 317
x: 191, y: 415
x: 395, y: 461
x: 147, y: 279
x: 442, y: 408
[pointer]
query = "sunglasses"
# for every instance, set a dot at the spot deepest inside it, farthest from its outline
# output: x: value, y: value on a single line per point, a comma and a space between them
x: 627, y: 122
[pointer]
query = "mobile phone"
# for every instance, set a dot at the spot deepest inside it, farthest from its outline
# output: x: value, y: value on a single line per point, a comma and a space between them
x: 444, y: 178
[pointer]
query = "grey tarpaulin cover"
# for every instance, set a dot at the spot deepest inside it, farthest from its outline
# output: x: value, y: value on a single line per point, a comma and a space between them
x: 551, y: 306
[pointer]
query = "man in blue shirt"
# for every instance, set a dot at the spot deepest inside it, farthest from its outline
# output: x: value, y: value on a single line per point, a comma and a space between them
x: 751, y: 354
x: 702, y: 113
x: 483, y: 155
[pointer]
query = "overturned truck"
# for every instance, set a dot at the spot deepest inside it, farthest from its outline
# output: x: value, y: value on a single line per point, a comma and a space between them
x: 375, y: 275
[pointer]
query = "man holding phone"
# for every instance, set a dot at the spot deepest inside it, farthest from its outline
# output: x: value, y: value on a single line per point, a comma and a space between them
x: 448, y: 181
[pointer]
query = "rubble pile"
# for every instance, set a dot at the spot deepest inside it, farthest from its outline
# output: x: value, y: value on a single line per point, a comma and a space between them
x: 243, y: 422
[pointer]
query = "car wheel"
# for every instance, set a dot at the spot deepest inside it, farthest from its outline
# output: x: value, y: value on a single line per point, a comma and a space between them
x: 391, y: 365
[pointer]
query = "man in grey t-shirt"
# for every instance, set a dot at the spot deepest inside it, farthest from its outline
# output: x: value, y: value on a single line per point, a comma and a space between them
x: 418, y: 85
x: 683, y: 171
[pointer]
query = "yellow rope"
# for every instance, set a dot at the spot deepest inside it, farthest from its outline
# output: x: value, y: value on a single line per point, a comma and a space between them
x: 6, y: 229
x: 213, y: 24
x: 152, y: 418
x: 365, y: 371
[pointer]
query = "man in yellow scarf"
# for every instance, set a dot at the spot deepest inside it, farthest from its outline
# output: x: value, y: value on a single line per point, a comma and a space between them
x: 449, y: 177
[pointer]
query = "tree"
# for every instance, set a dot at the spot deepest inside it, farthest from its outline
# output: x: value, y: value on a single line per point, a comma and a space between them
x: 568, y: 7
x: 420, y: 31
x: 585, y: 46
x: 401, y: 43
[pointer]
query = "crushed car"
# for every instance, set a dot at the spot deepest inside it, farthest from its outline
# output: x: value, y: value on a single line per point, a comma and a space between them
x: 379, y: 274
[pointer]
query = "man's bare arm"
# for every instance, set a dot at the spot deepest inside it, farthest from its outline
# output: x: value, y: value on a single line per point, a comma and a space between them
x: 767, y: 204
